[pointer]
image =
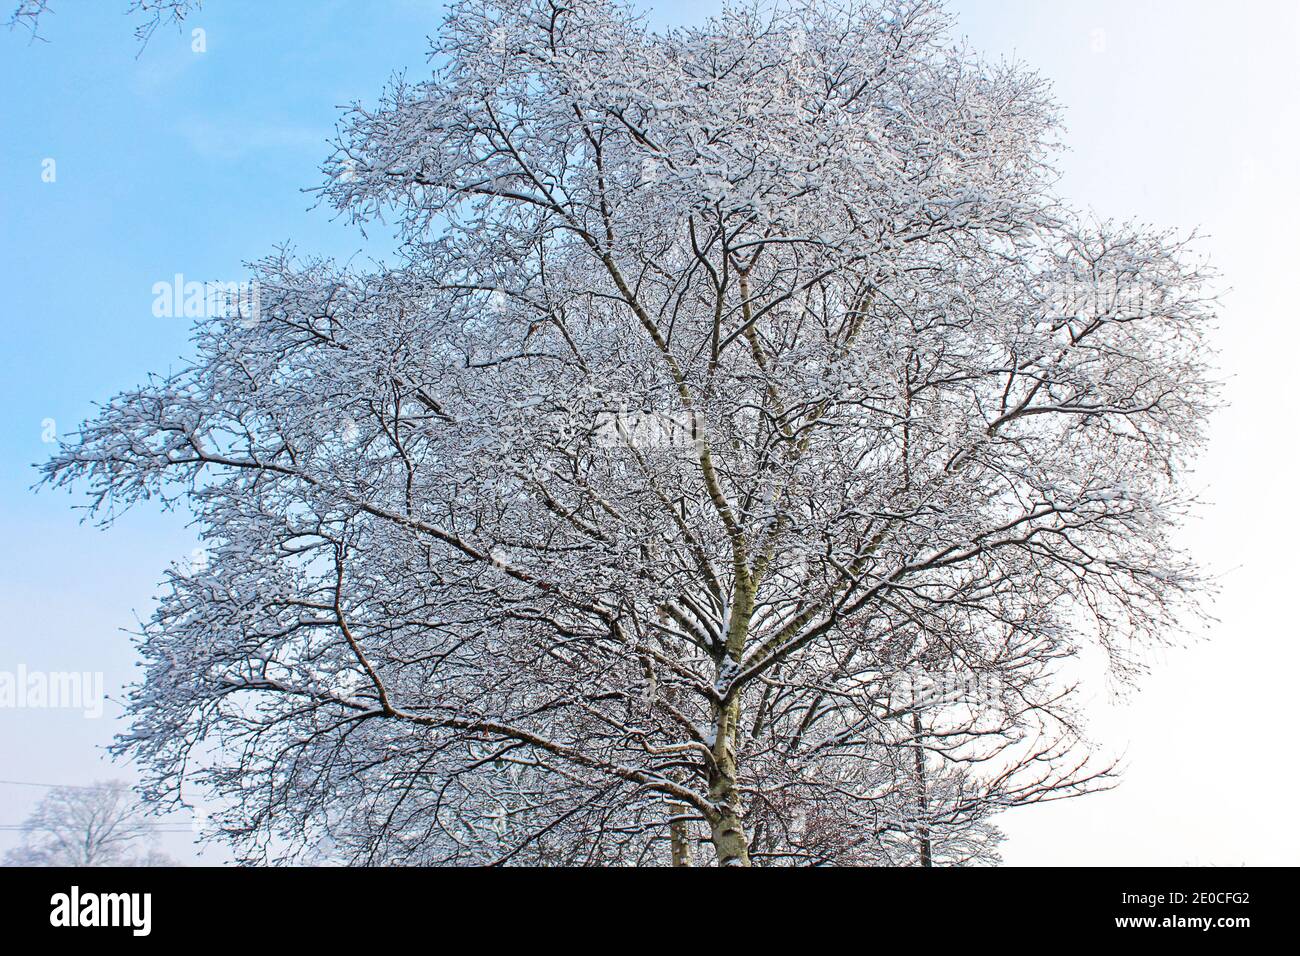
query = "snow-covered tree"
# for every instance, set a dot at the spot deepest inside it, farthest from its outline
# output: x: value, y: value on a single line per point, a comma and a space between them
x: 97, y: 825
x: 745, y: 443
x: 151, y: 14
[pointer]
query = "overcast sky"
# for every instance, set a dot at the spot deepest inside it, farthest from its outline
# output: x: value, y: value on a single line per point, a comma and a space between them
x: 1180, y: 114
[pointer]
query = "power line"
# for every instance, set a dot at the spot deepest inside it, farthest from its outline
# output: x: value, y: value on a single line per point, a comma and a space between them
x: 168, y: 829
x: 62, y: 786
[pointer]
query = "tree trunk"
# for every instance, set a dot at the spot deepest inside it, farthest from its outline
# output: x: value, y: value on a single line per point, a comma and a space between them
x: 923, y: 797
x: 681, y: 834
x: 725, y: 819
x: 725, y: 823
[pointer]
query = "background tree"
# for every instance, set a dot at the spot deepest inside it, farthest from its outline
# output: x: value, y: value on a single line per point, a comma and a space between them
x: 97, y: 825
x: 745, y: 441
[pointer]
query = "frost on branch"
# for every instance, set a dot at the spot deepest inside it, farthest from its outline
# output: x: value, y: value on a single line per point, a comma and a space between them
x: 463, y: 605
x: 152, y: 13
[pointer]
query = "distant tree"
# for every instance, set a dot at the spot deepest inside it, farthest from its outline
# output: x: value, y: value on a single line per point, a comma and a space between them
x: 97, y: 825
x: 747, y: 438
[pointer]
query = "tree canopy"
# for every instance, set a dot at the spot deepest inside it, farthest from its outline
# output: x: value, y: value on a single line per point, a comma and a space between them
x: 745, y: 443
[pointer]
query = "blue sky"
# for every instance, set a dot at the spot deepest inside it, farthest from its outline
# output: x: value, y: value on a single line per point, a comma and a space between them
x: 1180, y: 114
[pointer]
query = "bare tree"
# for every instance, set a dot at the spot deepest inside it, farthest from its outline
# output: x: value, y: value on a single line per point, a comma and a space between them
x: 152, y: 14
x: 97, y: 825
x: 746, y: 441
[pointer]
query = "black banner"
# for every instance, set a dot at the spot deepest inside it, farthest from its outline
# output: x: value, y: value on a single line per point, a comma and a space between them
x: 1010, y: 906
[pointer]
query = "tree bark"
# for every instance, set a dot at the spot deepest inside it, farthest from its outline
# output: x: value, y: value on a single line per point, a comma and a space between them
x: 726, y: 820
x: 923, y: 796
x: 681, y: 834
x: 726, y: 826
